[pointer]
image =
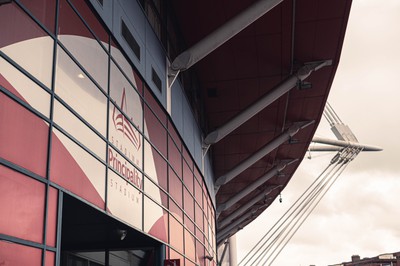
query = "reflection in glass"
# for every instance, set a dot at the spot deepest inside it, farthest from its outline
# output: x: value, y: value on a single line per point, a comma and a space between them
x: 80, y: 42
x: 24, y: 88
x: 23, y: 141
x: 124, y: 200
x: 43, y: 10
x: 70, y: 123
x: 126, y: 67
x: 79, y: 92
x: 31, y: 48
x: 76, y: 170
x: 125, y: 96
x: 155, y: 220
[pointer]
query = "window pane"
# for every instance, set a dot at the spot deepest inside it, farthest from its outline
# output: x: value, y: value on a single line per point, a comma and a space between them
x: 174, y: 157
x: 21, y: 205
x: 155, y: 131
x: 199, y: 235
x: 200, y: 252
x: 76, y: 170
x: 126, y: 67
x: 188, y: 177
x: 152, y: 190
x: 189, y: 204
x: 189, y: 245
x: 175, y: 210
x: 189, y: 263
x: 199, y: 217
x: 187, y: 158
x: 79, y: 92
x: 70, y: 123
x: 52, y: 203
x: 124, y: 200
x: 155, y: 220
x: 189, y: 224
x: 80, y: 42
x: 31, y: 47
x: 23, y: 136
x: 175, y: 187
x: 155, y: 166
x: 91, y: 19
x: 125, y: 169
x: 24, y: 88
x: 50, y: 258
x: 155, y: 106
x: 126, y: 97
x: 14, y: 254
x: 173, y: 255
x: 43, y: 10
x: 212, y: 220
x: 210, y: 238
x: 176, y: 234
x: 125, y: 137
x: 198, y: 193
x: 174, y: 135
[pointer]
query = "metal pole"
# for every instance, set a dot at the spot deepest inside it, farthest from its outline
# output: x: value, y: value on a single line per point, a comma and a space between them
x: 232, y: 251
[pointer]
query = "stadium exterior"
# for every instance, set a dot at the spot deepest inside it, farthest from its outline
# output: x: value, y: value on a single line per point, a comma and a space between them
x: 102, y: 154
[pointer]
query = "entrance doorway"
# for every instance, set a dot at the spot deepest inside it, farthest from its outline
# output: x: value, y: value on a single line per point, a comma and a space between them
x: 92, y: 238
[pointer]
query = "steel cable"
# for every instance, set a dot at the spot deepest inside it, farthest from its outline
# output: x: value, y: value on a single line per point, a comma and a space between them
x: 300, y: 213
x: 279, y: 221
x: 309, y: 199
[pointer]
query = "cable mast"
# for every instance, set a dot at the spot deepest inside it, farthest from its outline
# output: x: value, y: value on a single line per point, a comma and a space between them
x: 347, y: 146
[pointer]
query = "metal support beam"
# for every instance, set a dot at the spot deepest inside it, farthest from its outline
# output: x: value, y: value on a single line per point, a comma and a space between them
x: 263, y: 151
x: 2, y: 2
x: 225, y: 32
x: 218, y: 37
x: 264, y: 101
x: 342, y: 143
x: 233, y: 227
x: 250, y: 188
x: 245, y: 208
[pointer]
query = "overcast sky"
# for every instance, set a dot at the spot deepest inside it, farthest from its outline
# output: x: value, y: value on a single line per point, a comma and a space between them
x: 361, y: 213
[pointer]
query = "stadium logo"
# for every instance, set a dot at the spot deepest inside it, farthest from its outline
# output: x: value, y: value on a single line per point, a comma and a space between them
x: 122, y: 124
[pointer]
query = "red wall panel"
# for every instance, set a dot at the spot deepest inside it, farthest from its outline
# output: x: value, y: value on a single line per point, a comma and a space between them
x: 14, y: 254
x: 23, y: 136
x: 52, y: 202
x: 21, y: 206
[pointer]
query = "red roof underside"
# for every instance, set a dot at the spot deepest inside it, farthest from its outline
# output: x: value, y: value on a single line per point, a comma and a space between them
x: 251, y: 64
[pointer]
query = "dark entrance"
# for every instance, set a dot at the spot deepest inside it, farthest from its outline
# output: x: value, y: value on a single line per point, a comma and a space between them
x: 90, y: 237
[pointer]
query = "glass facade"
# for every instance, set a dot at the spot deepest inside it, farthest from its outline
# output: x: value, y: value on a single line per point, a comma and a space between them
x: 76, y: 118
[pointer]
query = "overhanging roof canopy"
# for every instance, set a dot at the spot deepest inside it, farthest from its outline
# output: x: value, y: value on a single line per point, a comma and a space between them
x: 249, y: 66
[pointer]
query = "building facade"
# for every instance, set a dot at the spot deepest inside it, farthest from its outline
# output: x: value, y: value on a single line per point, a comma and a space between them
x: 93, y: 170
x: 114, y: 150
x: 388, y: 259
